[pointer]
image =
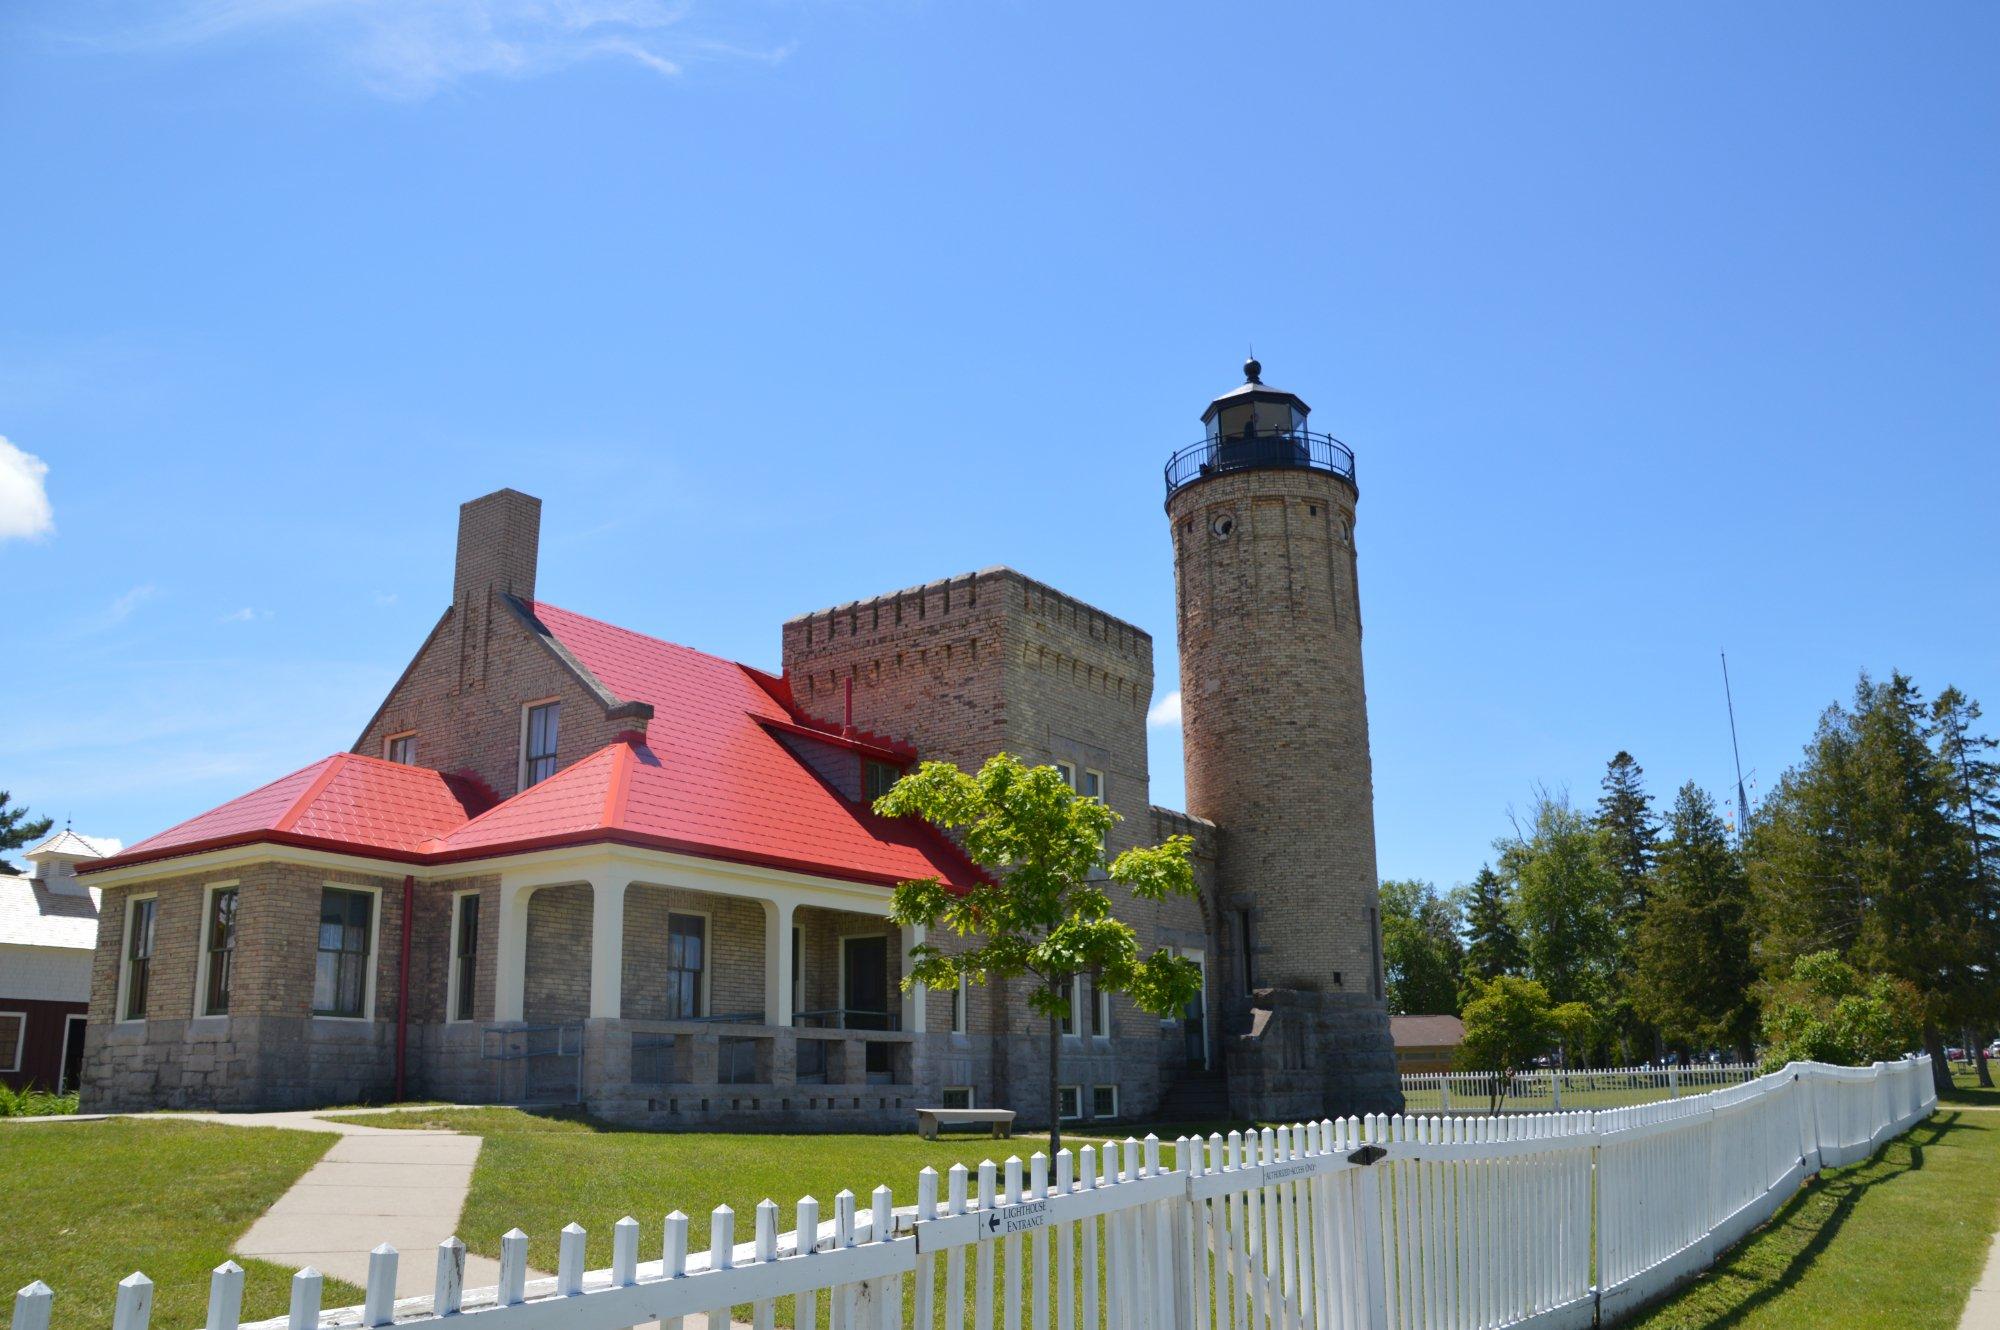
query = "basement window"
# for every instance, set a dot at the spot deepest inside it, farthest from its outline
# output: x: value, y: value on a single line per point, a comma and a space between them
x: 1104, y: 1101
x: 1069, y: 1102
x: 957, y: 1096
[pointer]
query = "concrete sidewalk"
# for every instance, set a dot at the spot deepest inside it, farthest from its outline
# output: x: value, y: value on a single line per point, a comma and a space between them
x: 376, y: 1185
x: 1982, y: 1310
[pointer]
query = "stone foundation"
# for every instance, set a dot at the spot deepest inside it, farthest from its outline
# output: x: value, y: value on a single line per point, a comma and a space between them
x: 1312, y: 1055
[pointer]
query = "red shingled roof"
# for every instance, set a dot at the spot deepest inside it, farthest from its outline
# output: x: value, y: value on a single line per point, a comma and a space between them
x: 343, y: 802
x: 712, y: 779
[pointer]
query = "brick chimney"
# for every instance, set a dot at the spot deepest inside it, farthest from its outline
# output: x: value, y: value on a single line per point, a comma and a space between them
x: 498, y: 537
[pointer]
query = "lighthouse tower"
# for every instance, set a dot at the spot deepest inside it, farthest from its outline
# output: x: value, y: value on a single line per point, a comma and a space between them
x: 1275, y: 731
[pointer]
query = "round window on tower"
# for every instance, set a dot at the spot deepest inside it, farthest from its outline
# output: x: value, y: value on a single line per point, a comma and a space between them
x: 1222, y: 525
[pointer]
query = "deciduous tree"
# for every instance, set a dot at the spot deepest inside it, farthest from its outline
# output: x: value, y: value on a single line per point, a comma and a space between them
x: 1042, y: 913
x: 1421, y: 951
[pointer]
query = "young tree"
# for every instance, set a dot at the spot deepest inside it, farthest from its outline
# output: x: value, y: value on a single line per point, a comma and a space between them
x: 1509, y: 1022
x: 1693, y: 971
x: 1827, y: 1011
x: 1421, y: 951
x: 1492, y: 948
x: 1042, y: 914
x: 17, y: 828
x: 1564, y: 902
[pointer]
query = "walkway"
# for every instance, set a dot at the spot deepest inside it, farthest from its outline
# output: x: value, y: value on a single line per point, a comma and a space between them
x: 376, y: 1185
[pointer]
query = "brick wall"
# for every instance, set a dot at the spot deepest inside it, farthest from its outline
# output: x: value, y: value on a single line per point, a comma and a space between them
x: 735, y: 951
x: 970, y: 666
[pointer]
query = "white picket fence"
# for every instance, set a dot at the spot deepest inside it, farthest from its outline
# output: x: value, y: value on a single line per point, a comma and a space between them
x: 1557, y: 1091
x: 1560, y: 1219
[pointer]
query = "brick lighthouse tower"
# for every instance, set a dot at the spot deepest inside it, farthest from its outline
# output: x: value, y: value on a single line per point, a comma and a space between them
x: 1275, y: 726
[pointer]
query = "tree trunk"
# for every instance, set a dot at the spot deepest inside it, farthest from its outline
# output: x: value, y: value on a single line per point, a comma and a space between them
x: 1940, y: 1067
x: 1055, y: 1092
x: 1985, y: 1072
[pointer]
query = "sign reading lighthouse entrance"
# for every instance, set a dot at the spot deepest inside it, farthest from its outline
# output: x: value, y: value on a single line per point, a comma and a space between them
x: 1018, y: 1219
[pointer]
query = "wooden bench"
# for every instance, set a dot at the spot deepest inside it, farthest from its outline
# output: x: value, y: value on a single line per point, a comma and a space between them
x: 929, y: 1120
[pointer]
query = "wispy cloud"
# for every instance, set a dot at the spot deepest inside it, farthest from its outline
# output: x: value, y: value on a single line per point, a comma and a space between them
x: 244, y: 615
x: 24, y: 495
x: 117, y: 612
x: 1166, y: 711
x: 412, y: 48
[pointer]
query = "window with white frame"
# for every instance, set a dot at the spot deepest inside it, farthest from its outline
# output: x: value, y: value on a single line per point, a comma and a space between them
x: 464, y: 953
x: 1093, y: 785
x: 1072, y: 1022
x: 687, y: 963
x: 1104, y: 1101
x: 538, y: 742
x: 957, y: 1096
x: 1069, y: 1102
x: 341, y: 984
x: 401, y: 748
x: 1100, y: 1011
x: 14, y: 1039
x: 1067, y: 770
x: 140, y: 914
x: 960, y: 1005
x: 218, y: 949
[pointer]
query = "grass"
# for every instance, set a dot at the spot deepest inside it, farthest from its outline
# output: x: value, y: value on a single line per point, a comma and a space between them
x: 540, y: 1172
x: 1894, y: 1242
x: 35, y: 1103
x: 90, y: 1202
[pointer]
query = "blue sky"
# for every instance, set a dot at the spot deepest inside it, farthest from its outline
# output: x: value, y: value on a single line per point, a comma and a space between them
x: 1657, y: 331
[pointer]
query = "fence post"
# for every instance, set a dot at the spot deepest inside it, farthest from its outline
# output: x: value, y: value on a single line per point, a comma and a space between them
x: 1444, y: 1093
x: 32, y: 1306
x: 1373, y: 1254
x: 135, y: 1303
x: 448, y: 1290
x: 1673, y: 1082
x: 307, y: 1287
x: 1556, y: 1086
x: 380, y: 1307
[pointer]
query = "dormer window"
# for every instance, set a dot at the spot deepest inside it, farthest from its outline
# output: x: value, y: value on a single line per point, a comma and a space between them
x: 401, y: 748
x: 538, y: 743
x: 878, y: 778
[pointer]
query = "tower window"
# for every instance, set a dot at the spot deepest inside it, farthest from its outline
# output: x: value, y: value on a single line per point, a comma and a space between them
x: 1067, y: 770
x: 1243, y: 950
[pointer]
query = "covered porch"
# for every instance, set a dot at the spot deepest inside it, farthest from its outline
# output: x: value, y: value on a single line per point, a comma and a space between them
x: 679, y: 991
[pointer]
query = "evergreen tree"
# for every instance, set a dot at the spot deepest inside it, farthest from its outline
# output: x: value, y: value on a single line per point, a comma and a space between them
x: 1693, y: 970
x: 1631, y: 841
x: 1974, y: 779
x: 1492, y: 947
x: 1421, y: 952
x: 1858, y: 850
x: 17, y: 829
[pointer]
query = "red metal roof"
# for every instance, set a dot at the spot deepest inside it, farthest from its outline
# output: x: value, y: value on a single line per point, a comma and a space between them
x: 711, y: 779
x: 346, y: 802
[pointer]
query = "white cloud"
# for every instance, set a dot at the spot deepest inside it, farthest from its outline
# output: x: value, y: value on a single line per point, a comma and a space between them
x: 411, y: 48
x: 244, y: 615
x: 1166, y: 711
x: 24, y: 495
x: 117, y: 612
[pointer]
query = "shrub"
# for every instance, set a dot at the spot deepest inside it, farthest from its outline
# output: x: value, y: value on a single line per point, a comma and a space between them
x: 1827, y: 1011
x: 35, y: 1103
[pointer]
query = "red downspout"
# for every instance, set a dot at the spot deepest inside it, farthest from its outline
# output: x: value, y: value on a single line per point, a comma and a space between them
x: 403, y: 989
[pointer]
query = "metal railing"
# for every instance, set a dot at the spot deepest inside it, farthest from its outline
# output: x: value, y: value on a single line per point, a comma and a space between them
x: 849, y: 1018
x: 1273, y: 450
x: 551, y: 1058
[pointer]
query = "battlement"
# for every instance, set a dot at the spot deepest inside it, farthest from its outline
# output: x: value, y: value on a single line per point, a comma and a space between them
x: 985, y: 593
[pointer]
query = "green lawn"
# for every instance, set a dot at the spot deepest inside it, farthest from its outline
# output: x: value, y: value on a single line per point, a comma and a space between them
x: 542, y: 1172
x: 1894, y: 1242
x: 90, y: 1202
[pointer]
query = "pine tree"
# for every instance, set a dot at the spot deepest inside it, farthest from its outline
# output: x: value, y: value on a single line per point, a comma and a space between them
x: 1858, y: 850
x: 1492, y: 947
x: 1974, y: 780
x: 17, y: 829
x: 1631, y: 834
x: 1693, y: 972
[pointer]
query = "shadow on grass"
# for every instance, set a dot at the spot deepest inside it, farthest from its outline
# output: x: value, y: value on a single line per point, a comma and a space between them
x: 1837, y: 1197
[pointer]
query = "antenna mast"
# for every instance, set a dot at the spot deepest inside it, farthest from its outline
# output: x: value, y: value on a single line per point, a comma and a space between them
x: 1742, y: 802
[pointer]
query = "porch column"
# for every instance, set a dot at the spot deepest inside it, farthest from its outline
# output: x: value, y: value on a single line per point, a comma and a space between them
x: 607, y: 945
x: 778, y: 916
x: 913, y: 997
x: 510, y: 964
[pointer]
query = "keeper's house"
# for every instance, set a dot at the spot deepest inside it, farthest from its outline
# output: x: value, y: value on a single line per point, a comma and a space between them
x: 566, y: 861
